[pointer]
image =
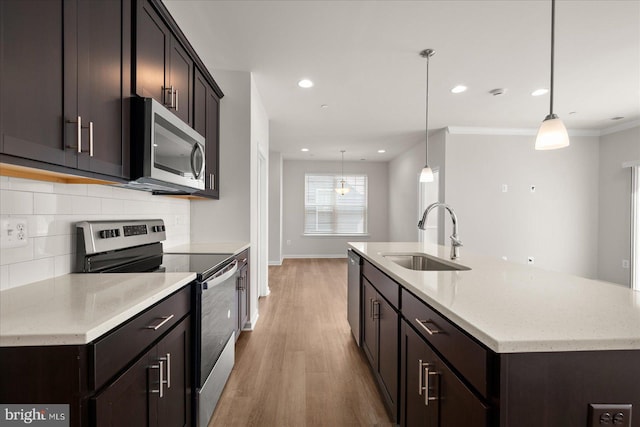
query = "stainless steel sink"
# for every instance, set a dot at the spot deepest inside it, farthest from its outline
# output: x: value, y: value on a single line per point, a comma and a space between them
x: 423, y: 262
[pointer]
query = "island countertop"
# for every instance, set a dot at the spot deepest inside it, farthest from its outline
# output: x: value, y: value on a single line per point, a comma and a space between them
x: 514, y: 308
x: 76, y: 309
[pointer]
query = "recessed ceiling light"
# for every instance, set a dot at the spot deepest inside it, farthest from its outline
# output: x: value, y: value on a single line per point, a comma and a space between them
x: 304, y: 150
x: 498, y: 91
x: 382, y: 151
x: 324, y: 106
x: 459, y: 89
x: 305, y: 83
x: 539, y: 92
x: 617, y: 118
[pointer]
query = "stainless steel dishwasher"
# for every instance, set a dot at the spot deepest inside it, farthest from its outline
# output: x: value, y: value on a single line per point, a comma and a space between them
x: 353, y: 293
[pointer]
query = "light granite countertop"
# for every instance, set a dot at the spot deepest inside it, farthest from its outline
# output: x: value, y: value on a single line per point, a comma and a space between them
x: 233, y: 248
x: 78, y: 308
x: 514, y: 308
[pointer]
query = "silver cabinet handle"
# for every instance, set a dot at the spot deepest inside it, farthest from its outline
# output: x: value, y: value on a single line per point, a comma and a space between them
x: 78, y: 145
x: 212, y: 181
x: 424, y: 326
x: 427, y: 374
x: 176, y: 93
x: 421, y: 366
x: 160, y: 368
x: 371, y: 308
x: 376, y: 309
x: 90, y: 139
x: 167, y: 359
x: 165, y: 319
x: 170, y: 91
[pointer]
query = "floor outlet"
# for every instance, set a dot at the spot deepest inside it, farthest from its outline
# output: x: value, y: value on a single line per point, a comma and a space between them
x: 601, y: 415
x: 13, y: 233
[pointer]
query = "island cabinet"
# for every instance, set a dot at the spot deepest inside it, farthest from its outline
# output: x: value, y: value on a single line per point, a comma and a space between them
x: 380, y: 296
x: 163, y: 68
x: 65, y: 72
x: 443, y: 372
x: 138, y: 374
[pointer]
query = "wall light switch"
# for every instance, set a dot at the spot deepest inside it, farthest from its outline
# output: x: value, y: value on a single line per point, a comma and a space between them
x: 13, y: 233
x: 505, y: 188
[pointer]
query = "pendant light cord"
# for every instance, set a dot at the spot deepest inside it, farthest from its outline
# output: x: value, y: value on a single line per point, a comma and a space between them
x: 426, y: 118
x: 553, y: 30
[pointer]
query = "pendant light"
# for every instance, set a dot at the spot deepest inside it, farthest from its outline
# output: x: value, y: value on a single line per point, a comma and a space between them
x: 427, y: 174
x: 342, y: 190
x: 552, y: 134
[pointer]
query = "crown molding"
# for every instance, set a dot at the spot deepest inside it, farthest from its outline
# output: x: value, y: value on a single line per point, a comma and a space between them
x: 468, y: 130
x: 619, y: 128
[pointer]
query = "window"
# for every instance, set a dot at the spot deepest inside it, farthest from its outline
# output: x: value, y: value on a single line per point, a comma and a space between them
x: 328, y: 213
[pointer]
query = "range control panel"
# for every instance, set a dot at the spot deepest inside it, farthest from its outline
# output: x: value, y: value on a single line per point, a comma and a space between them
x: 103, y: 236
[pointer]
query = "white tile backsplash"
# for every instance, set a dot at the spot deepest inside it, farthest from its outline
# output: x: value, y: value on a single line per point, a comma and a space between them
x: 53, y: 209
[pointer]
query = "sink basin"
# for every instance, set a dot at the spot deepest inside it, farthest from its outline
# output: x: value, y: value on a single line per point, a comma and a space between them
x: 423, y: 262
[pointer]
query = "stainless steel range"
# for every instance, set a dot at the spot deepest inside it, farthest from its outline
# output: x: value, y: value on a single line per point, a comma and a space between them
x: 135, y: 246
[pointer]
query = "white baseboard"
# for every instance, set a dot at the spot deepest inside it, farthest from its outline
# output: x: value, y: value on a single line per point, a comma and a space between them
x: 275, y: 263
x: 251, y: 324
x: 344, y: 255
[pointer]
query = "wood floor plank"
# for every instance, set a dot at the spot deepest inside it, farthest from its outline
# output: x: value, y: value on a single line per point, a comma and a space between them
x: 301, y: 367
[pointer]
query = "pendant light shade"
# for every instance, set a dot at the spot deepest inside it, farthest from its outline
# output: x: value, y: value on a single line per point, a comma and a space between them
x: 427, y: 174
x: 552, y: 133
x: 342, y: 190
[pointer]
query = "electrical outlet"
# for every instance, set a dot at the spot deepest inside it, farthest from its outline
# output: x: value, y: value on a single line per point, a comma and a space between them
x: 532, y: 188
x: 288, y: 242
x: 531, y: 260
x: 13, y: 233
x: 625, y: 263
x: 601, y: 415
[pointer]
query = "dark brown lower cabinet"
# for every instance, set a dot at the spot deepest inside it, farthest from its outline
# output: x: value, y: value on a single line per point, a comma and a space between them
x: 432, y: 395
x: 380, y: 344
x: 155, y: 391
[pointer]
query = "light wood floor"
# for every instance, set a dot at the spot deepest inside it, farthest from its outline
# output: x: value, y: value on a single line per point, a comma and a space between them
x: 300, y: 366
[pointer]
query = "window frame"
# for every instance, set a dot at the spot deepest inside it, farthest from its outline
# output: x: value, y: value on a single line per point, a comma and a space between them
x: 336, y: 178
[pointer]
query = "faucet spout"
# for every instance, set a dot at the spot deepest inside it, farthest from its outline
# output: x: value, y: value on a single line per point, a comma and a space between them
x: 455, y: 241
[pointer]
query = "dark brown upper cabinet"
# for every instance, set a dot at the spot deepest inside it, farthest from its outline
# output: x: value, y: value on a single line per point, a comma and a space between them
x: 65, y: 69
x: 163, y: 67
x: 206, y: 122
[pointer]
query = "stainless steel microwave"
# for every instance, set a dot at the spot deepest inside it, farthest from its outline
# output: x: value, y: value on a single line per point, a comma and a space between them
x: 167, y: 155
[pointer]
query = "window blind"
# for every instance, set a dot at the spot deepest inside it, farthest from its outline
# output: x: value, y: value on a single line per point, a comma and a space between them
x: 327, y: 212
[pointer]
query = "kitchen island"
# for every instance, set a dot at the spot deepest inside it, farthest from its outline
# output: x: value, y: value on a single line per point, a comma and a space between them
x: 500, y: 344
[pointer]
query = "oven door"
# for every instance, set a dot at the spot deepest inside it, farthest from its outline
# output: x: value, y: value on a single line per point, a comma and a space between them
x: 216, y: 336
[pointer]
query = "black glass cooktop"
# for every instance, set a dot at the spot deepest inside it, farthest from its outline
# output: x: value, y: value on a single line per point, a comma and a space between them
x: 202, y: 264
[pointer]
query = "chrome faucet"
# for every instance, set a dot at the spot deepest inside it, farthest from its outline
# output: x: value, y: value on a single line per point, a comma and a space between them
x: 455, y: 241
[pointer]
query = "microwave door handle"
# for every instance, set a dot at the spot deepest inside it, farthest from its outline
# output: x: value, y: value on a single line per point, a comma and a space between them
x: 197, y: 174
x: 221, y: 276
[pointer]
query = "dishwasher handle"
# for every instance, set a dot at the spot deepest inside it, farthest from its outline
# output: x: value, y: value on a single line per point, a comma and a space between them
x: 221, y: 276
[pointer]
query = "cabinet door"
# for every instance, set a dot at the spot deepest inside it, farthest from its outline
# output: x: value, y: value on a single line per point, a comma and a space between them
x: 200, y: 93
x: 415, y: 409
x: 32, y: 73
x: 388, y: 351
x: 174, y: 408
x: 181, y: 80
x: 369, y: 324
x: 103, y: 79
x: 130, y: 400
x: 449, y: 402
x: 213, y: 144
x: 152, y: 51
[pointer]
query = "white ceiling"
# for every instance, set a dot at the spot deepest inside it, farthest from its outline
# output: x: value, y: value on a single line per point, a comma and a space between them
x: 363, y: 57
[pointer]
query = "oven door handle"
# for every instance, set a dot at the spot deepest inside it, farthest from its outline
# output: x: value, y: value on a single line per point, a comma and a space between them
x: 221, y: 276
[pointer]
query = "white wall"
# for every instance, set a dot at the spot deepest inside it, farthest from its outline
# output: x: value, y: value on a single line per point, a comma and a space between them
x: 52, y: 210
x: 275, y: 208
x: 614, y: 227
x: 244, y: 132
x: 228, y: 219
x: 293, y: 207
x: 404, y: 172
x: 557, y: 224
